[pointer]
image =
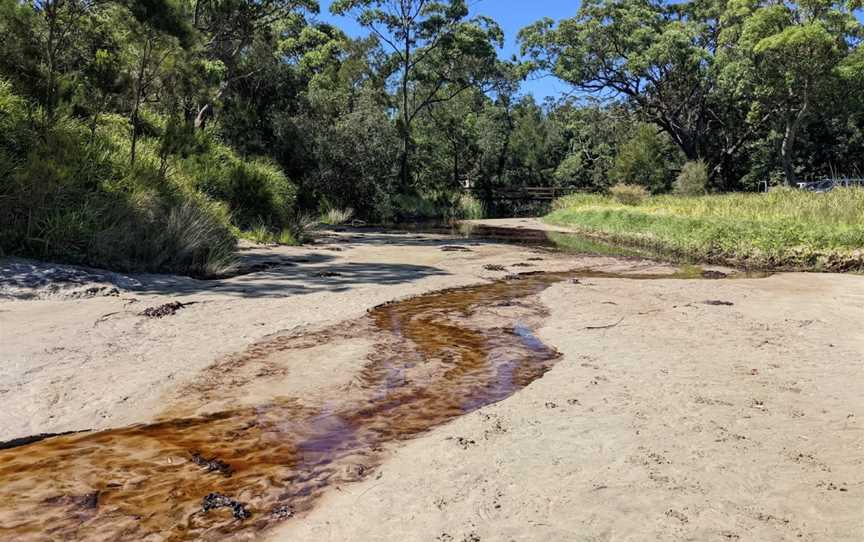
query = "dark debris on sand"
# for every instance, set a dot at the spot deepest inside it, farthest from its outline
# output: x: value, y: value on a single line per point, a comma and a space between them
x: 218, y: 500
x: 212, y: 465
x: 168, y: 309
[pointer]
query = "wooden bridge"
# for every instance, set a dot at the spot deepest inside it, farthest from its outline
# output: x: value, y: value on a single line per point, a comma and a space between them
x: 526, y: 193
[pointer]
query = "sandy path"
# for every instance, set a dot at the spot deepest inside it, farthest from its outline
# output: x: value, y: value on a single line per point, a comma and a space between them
x: 684, y: 421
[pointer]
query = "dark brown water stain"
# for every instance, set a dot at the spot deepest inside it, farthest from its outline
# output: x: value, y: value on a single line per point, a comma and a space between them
x: 231, y: 474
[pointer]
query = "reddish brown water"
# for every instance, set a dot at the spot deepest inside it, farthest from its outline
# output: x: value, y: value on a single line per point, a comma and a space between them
x: 436, y: 357
x: 433, y: 363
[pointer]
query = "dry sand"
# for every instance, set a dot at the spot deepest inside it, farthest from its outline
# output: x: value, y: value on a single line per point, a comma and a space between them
x: 680, y: 421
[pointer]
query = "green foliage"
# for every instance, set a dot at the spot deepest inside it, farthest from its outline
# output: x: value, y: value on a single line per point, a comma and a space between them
x: 654, y: 54
x: 438, y: 204
x: 628, y: 194
x: 693, y: 179
x: 646, y: 159
x: 436, y: 52
x: 469, y: 208
x: 787, y: 229
x: 266, y: 235
x: 69, y: 195
x: 252, y: 113
x: 335, y: 217
x: 256, y: 191
x: 785, y: 60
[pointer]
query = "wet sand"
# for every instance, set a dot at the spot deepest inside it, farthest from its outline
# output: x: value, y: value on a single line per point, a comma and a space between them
x: 665, y: 417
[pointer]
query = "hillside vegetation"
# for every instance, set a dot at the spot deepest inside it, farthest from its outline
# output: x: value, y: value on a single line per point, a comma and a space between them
x: 783, y: 229
x: 69, y: 192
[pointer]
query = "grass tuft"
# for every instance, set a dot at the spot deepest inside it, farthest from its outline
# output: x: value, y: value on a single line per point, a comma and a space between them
x: 335, y: 217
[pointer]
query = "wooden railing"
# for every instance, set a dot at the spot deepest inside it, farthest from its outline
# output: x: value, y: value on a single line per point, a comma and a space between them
x: 528, y: 193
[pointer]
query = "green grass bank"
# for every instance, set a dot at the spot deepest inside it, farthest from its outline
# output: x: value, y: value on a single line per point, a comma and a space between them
x: 783, y: 230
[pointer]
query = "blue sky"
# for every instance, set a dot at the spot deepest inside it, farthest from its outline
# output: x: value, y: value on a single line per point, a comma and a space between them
x: 512, y: 15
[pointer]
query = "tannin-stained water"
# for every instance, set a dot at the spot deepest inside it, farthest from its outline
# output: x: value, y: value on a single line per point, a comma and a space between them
x: 271, y: 462
x: 231, y: 474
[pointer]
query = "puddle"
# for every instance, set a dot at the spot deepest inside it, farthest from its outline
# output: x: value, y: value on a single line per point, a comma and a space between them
x: 557, y: 241
x: 234, y: 473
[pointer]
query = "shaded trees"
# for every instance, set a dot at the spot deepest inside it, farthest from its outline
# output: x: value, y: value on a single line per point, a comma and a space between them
x: 436, y: 54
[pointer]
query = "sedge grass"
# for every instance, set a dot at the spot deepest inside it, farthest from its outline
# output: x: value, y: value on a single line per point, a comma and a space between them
x: 785, y: 229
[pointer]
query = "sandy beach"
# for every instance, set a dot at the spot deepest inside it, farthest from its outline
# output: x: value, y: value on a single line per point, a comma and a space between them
x: 678, y: 409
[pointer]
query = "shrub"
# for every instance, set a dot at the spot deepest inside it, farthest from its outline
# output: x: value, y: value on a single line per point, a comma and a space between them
x: 628, y: 194
x: 190, y: 236
x: 256, y: 191
x: 645, y: 159
x: 69, y: 194
x: 693, y: 179
x: 334, y: 217
x: 296, y: 232
x: 469, y: 207
x: 298, y: 228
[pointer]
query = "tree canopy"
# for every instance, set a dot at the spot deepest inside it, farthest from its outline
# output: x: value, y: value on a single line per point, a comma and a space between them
x: 248, y: 114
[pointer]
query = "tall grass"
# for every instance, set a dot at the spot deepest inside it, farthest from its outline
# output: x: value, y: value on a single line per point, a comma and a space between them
x: 335, y: 217
x: 438, y: 205
x: 784, y: 229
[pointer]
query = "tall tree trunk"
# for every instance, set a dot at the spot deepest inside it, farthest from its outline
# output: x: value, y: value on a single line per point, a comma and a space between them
x: 456, y: 163
x: 207, y: 110
x: 138, y: 86
x: 793, y: 123
x: 201, y: 117
x: 405, y: 175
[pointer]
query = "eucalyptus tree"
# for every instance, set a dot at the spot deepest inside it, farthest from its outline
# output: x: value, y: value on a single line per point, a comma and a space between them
x: 233, y: 36
x: 655, y: 55
x: 436, y: 54
x: 786, y: 60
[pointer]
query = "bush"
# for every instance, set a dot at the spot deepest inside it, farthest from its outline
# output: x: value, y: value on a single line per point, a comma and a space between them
x: 256, y: 191
x: 445, y: 205
x: 693, y: 179
x: 645, y: 159
x: 334, y: 217
x: 190, y: 236
x: 628, y: 194
x: 468, y: 207
x: 70, y: 195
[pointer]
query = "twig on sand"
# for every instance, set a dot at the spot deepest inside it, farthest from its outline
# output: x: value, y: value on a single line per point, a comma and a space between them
x: 607, y: 326
x: 105, y: 317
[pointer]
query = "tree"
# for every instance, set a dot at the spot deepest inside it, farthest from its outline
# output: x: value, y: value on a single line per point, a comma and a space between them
x: 154, y: 33
x: 784, y: 60
x: 657, y: 56
x: 594, y: 134
x: 231, y: 29
x: 645, y: 159
x: 436, y: 53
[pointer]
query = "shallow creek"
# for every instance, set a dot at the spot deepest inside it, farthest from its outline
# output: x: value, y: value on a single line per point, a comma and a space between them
x: 233, y: 473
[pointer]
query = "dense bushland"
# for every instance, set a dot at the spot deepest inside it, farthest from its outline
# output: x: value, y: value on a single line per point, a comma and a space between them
x: 128, y: 126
